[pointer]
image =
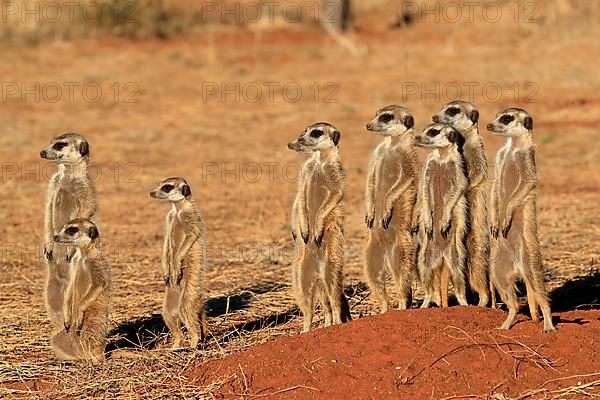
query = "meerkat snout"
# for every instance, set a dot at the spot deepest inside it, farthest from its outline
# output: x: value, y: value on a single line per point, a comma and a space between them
x: 489, y: 127
x: 369, y: 126
x: 435, y: 118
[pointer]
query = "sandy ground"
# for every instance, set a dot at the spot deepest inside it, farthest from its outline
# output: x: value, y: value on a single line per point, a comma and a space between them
x: 233, y: 152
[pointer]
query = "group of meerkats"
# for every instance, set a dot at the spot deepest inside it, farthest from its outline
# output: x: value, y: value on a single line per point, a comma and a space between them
x: 444, y: 225
x: 436, y: 227
x: 78, y: 286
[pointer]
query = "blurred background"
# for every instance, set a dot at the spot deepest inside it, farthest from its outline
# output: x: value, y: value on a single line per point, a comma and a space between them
x: 213, y: 91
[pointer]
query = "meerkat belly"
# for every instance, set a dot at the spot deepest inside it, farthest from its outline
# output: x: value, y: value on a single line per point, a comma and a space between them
x: 177, y: 235
x: 389, y: 173
x: 66, y: 208
x: 82, y: 284
x: 510, y: 181
x: 316, y: 195
x: 441, y: 188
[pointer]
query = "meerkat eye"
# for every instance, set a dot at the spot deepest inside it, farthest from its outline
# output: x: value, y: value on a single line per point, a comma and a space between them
x: 385, y: 118
x: 506, y: 119
x: 433, y: 132
x: 71, y: 230
x: 59, y: 146
x: 452, y: 111
x: 316, y: 133
x: 167, y: 188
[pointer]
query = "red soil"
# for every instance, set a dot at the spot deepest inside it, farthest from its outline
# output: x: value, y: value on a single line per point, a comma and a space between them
x: 416, y: 354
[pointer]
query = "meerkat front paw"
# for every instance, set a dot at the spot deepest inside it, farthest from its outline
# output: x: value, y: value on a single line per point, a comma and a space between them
x: 48, y: 250
x: 506, y: 224
x: 446, y: 226
x: 369, y: 219
x: 179, y: 277
x: 319, y: 237
x: 387, y: 218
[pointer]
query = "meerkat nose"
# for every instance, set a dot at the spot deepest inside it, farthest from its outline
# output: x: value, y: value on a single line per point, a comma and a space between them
x: 490, y: 127
x: 435, y: 118
x: 55, y: 238
x: 369, y: 126
x: 43, y: 153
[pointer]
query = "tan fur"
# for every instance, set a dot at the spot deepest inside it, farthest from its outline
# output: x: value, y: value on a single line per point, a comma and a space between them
x: 87, y: 299
x: 442, y: 211
x: 317, y: 215
x: 71, y: 194
x: 390, y: 197
x: 513, y: 219
x: 183, y: 264
x: 478, y: 239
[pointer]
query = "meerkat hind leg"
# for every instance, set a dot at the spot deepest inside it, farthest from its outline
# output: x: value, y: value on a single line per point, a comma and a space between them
x: 326, y: 305
x: 444, y: 283
x: 305, y: 292
x: 509, y: 297
x: 171, y: 316
x: 401, y: 265
x: 190, y: 311
x: 532, y: 303
x: 376, y: 273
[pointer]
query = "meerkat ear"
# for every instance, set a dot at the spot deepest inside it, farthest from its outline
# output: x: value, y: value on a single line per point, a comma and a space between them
x: 84, y: 148
x: 335, y: 137
x: 409, y: 122
x: 186, y: 191
x: 528, y: 123
x: 474, y: 116
x: 93, y: 232
x: 451, y: 136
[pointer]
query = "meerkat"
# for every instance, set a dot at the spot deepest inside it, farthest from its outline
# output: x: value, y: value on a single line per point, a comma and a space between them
x: 183, y: 262
x: 442, y: 215
x: 317, y: 216
x: 88, y: 295
x: 71, y: 194
x: 464, y: 117
x: 391, y: 191
x: 513, y: 218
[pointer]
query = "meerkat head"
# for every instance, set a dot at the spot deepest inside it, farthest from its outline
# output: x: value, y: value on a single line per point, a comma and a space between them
x: 462, y: 115
x: 438, y: 135
x: 70, y: 148
x: 511, y: 122
x: 391, y: 121
x: 172, y: 189
x: 319, y: 136
x: 78, y: 232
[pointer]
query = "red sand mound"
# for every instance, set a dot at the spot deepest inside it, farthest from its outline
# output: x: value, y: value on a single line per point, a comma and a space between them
x: 418, y: 354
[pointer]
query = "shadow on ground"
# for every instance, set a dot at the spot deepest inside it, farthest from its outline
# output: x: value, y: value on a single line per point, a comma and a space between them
x: 582, y: 293
x: 217, y: 306
x: 147, y: 332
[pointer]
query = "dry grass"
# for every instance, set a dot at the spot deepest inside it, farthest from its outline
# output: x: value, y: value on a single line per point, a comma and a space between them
x: 248, y: 292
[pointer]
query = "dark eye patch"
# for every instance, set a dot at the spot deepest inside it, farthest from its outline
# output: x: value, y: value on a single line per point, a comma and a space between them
x: 316, y: 133
x: 506, y: 119
x: 167, y: 188
x: 433, y: 132
x: 385, y: 118
x: 452, y: 111
x: 72, y: 230
x: 59, y: 146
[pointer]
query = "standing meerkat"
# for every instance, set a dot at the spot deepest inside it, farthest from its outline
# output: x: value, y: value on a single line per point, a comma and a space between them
x: 71, y: 194
x: 464, y: 117
x: 183, y: 262
x: 442, y: 215
x: 88, y: 296
x: 317, y: 218
x: 513, y: 218
x: 391, y: 192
